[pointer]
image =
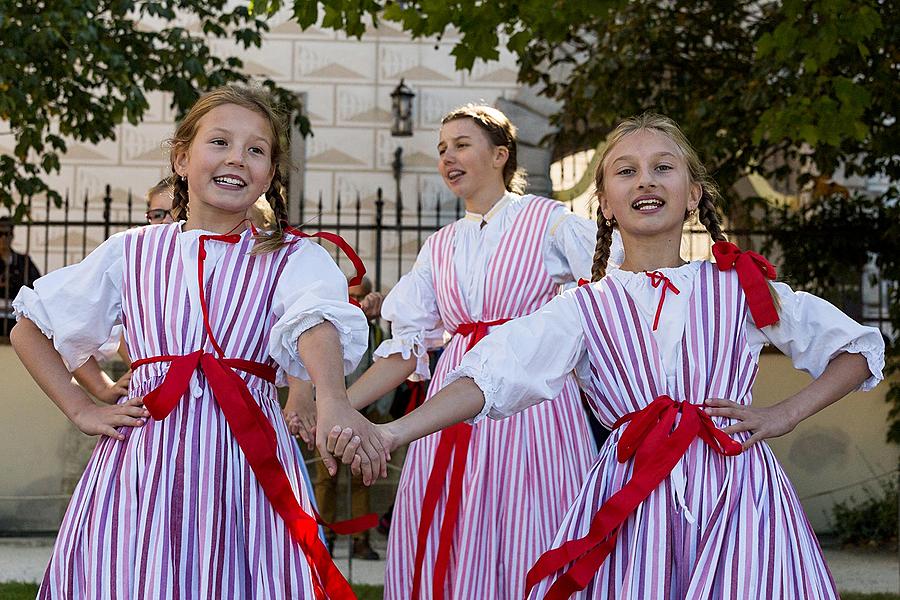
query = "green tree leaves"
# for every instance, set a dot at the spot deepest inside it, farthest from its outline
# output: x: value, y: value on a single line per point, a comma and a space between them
x: 76, y: 69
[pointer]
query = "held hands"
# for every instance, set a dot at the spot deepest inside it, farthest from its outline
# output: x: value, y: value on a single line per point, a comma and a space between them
x: 343, y: 443
x: 764, y: 422
x: 103, y: 419
x: 364, y: 449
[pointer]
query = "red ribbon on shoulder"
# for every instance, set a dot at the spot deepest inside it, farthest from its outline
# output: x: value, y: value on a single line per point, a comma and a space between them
x: 753, y: 272
x: 345, y: 247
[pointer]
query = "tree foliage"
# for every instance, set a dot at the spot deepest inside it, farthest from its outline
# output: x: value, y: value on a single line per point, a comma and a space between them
x: 759, y: 86
x: 76, y: 69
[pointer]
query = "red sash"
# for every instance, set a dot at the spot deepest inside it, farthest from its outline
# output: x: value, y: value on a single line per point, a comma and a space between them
x: 253, y: 432
x: 454, y: 443
x: 656, y: 444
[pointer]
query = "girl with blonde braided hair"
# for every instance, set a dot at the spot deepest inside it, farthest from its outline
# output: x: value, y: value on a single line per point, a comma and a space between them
x: 685, y: 499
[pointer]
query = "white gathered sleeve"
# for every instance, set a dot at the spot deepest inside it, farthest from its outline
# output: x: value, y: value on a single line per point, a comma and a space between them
x: 311, y: 290
x: 412, y: 310
x: 812, y: 332
x: 77, y: 306
x: 568, y: 250
x: 525, y: 361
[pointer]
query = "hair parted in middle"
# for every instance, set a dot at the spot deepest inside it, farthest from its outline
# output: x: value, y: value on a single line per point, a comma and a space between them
x: 709, y: 198
x: 260, y: 101
x: 500, y: 132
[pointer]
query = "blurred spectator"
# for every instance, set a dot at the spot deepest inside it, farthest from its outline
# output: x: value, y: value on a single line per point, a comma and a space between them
x: 16, y: 270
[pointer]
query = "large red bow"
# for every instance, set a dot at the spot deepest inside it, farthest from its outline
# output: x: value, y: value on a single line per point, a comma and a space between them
x: 656, y: 444
x: 753, y: 271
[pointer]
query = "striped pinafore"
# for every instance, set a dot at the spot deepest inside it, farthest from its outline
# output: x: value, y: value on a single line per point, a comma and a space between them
x: 715, y: 525
x: 175, y: 510
x: 519, y: 474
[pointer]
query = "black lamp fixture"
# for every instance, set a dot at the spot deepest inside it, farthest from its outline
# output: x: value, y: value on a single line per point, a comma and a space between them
x: 401, y: 110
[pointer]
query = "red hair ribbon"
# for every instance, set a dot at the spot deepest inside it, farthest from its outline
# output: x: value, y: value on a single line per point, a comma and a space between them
x: 656, y: 444
x: 753, y: 271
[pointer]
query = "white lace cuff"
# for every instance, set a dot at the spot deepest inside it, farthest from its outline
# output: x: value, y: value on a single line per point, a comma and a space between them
x: 483, y: 380
x: 286, y: 332
x: 874, y: 355
x: 408, y: 347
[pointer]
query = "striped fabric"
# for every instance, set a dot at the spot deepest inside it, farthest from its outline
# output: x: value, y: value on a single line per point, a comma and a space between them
x: 522, y: 473
x: 174, y: 511
x: 718, y: 527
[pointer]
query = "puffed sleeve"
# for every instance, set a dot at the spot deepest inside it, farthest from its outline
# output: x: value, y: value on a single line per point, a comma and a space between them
x: 77, y: 306
x: 310, y: 290
x: 569, y: 245
x: 526, y: 361
x: 411, y: 307
x: 812, y: 331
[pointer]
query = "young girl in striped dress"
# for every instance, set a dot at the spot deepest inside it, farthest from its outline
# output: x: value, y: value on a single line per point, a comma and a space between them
x: 477, y: 505
x: 685, y: 500
x: 194, y: 489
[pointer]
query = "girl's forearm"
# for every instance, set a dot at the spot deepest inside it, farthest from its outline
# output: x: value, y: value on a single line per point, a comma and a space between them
x: 46, y: 366
x: 843, y: 374
x: 457, y: 402
x: 379, y: 379
x: 91, y: 377
x: 320, y: 350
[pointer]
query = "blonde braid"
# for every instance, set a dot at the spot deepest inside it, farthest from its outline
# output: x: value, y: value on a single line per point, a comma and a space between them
x: 276, y: 195
x: 601, y: 251
x: 709, y: 216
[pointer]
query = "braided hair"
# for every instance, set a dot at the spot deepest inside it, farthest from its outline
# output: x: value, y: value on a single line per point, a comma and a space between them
x: 709, y: 196
x: 259, y: 101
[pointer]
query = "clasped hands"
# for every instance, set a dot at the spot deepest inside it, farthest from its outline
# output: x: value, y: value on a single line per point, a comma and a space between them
x: 343, y: 434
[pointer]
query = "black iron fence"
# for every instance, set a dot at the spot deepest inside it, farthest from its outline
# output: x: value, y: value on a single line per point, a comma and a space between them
x: 386, y: 232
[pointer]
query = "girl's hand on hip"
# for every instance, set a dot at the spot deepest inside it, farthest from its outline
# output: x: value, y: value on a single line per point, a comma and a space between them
x: 114, y: 391
x: 104, y: 419
x: 764, y: 422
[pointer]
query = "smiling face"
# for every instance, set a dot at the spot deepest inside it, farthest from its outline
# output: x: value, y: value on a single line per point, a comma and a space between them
x: 647, y: 186
x: 469, y: 163
x: 228, y: 163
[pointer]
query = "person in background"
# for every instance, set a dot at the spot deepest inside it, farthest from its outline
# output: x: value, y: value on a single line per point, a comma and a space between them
x: 16, y: 270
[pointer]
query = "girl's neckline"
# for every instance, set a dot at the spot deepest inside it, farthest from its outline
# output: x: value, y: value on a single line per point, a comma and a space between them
x: 199, y: 231
x: 688, y: 266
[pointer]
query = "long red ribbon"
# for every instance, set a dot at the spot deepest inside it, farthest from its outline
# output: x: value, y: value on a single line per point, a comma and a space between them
x: 253, y: 432
x: 753, y: 270
x: 453, y: 443
x: 656, y: 444
x: 341, y: 243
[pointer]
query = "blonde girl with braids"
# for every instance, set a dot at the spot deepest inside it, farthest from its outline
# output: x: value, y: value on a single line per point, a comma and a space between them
x: 685, y: 499
x: 506, y: 258
x: 195, y: 488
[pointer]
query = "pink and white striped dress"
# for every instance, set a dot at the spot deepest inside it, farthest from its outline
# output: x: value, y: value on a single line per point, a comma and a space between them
x: 174, y: 511
x: 520, y: 473
x: 717, y: 526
